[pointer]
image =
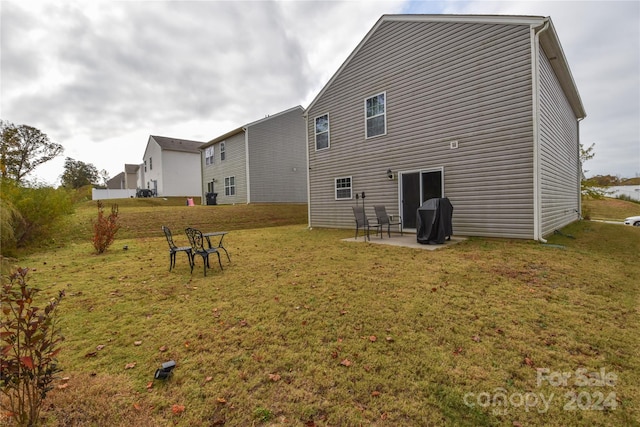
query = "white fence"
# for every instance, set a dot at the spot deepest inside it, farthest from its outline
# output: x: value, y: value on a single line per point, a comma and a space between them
x: 107, y: 193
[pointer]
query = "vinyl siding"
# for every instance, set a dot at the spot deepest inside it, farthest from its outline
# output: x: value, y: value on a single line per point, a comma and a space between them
x: 443, y: 82
x: 233, y: 165
x: 559, y: 153
x: 278, y: 160
x: 179, y: 174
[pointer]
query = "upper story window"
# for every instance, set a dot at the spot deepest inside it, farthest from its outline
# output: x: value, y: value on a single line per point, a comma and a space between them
x: 343, y: 188
x: 208, y: 156
x: 145, y: 165
x: 150, y: 163
x: 376, y: 115
x: 223, y: 154
x: 322, y: 132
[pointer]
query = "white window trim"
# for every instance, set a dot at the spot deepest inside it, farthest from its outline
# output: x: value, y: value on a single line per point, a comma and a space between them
x: 223, y: 151
x: 384, y: 115
x: 335, y: 188
x: 229, y: 186
x: 315, y: 135
x: 208, y: 162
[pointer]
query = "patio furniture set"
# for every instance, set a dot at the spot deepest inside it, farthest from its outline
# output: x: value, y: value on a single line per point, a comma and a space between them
x: 382, y: 218
x: 197, y: 247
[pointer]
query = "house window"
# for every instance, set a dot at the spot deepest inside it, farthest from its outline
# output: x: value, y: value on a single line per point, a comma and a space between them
x: 223, y: 154
x: 343, y: 188
x: 145, y: 165
x: 322, y: 132
x: 208, y: 156
x: 230, y: 186
x: 150, y: 163
x: 376, y: 115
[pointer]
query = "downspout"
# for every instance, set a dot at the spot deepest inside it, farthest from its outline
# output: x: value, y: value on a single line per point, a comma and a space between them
x: 580, y: 174
x: 246, y: 168
x: 202, y: 192
x: 306, y: 134
x: 537, y: 199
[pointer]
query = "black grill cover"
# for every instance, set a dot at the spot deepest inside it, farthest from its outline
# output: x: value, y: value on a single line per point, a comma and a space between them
x: 433, y: 221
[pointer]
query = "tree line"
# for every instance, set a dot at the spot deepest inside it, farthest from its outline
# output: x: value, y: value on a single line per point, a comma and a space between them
x: 23, y: 148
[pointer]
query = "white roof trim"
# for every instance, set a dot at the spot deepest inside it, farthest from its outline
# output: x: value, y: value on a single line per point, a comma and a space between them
x: 479, y: 19
x: 243, y: 128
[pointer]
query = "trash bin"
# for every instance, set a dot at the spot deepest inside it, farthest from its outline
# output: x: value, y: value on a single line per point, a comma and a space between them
x: 433, y: 221
x: 211, y: 198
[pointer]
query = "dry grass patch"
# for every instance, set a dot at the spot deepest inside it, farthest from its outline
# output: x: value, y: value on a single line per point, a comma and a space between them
x: 609, y: 209
x: 303, y: 329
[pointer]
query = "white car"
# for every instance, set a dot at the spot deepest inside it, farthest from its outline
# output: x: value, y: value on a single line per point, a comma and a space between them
x: 632, y: 220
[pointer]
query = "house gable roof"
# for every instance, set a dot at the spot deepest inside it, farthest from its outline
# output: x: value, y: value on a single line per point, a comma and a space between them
x: 129, y: 168
x: 548, y: 39
x: 243, y: 128
x: 175, y: 144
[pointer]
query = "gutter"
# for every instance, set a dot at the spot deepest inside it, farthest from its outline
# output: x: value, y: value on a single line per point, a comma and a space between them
x: 306, y: 134
x: 537, y: 202
x: 246, y: 150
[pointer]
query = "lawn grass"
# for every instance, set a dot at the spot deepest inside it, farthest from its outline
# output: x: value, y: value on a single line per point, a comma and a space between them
x: 609, y: 209
x: 304, y: 329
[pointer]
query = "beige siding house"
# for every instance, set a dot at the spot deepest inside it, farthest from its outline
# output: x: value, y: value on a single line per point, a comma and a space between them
x: 260, y: 162
x: 480, y: 109
x: 171, y: 167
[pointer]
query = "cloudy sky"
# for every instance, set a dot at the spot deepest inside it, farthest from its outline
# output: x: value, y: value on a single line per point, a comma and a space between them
x: 99, y: 77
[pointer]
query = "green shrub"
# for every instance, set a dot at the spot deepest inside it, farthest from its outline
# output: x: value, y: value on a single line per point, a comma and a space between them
x: 29, y: 343
x: 29, y: 213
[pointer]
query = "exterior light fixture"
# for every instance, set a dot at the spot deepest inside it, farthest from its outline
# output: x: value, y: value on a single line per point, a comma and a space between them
x: 389, y: 174
x: 165, y: 370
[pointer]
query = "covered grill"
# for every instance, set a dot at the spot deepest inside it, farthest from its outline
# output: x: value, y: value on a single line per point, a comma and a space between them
x: 433, y: 221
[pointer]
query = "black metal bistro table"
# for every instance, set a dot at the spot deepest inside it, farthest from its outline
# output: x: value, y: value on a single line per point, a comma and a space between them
x: 215, y: 234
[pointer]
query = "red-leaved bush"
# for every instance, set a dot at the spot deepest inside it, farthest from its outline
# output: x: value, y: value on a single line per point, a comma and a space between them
x: 105, y: 228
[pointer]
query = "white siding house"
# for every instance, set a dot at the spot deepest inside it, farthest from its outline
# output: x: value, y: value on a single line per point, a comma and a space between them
x: 171, y: 166
x: 260, y: 162
x: 480, y: 109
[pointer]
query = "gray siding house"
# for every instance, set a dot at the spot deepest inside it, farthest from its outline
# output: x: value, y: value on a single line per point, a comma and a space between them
x: 125, y: 180
x: 480, y: 109
x: 261, y: 162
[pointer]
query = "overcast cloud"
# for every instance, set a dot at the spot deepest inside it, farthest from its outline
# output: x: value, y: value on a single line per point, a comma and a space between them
x: 100, y: 77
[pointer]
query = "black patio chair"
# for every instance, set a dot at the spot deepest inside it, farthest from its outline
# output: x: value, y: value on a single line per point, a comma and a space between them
x: 363, y: 222
x: 196, y: 240
x: 383, y: 219
x: 173, y: 249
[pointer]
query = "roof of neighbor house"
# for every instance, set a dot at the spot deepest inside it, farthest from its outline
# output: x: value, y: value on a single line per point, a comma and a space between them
x: 115, y: 180
x: 542, y: 25
x: 242, y: 128
x: 129, y: 168
x: 175, y: 144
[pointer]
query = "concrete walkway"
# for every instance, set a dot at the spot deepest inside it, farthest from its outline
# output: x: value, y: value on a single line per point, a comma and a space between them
x: 407, y: 241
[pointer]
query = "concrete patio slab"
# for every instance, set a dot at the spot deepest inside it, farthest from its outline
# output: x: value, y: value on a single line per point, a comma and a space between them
x: 407, y: 241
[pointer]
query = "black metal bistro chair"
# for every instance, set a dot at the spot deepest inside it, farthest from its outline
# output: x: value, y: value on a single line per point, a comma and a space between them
x: 173, y: 249
x: 363, y: 222
x: 383, y: 219
x: 196, y: 240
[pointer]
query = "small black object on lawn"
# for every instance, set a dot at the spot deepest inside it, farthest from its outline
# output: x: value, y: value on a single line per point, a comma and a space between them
x: 165, y: 370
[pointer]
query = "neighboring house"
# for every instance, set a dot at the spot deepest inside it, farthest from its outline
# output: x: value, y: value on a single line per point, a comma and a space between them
x: 480, y: 109
x: 130, y: 176
x: 263, y: 161
x: 125, y: 180
x: 117, y: 182
x: 171, y: 166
